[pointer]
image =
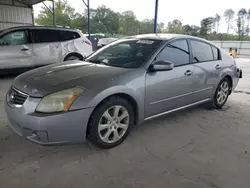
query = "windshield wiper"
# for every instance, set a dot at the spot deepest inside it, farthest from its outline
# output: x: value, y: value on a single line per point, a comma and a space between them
x: 98, y: 62
x: 94, y: 61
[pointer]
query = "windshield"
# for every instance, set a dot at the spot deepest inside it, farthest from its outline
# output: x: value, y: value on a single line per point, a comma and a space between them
x: 128, y: 54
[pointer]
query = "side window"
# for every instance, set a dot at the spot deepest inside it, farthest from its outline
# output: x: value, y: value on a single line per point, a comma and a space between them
x: 176, y: 52
x: 216, y: 53
x: 68, y: 35
x: 15, y: 38
x: 45, y: 35
x: 201, y: 51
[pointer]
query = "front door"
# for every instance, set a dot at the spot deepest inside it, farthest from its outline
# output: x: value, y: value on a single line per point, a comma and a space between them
x: 169, y: 90
x: 15, y: 50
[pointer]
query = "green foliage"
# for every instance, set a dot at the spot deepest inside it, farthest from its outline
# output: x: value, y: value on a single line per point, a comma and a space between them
x: 114, y: 24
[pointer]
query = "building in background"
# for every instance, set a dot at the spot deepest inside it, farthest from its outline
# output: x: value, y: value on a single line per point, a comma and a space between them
x: 16, y: 13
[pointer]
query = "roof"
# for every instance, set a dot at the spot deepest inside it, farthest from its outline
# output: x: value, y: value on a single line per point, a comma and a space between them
x: 30, y: 2
x: 160, y: 36
x: 165, y: 36
x: 39, y: 27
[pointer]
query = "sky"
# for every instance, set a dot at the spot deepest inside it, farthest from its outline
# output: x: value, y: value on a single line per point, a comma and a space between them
x: 187, y: 11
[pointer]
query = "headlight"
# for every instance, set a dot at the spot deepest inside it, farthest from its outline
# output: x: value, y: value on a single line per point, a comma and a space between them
x: 59, y: 101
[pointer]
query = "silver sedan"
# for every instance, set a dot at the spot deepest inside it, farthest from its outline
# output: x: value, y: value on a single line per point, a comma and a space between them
x: 122, y: 84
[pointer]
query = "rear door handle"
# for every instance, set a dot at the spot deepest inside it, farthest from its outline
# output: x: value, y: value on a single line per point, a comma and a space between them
x: 217, y: 66
x: 188, y: 72
x: 24, y: 49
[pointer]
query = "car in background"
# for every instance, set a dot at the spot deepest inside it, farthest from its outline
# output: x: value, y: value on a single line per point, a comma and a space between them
x: 124, y: 83
x: 34, y: 46
x: 104, y: 41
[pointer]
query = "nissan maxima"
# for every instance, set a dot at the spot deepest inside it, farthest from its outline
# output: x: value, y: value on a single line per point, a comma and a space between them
x: 120, y: 85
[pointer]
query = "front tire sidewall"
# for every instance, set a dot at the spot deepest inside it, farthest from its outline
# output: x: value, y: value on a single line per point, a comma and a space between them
x: 215, y: 100
x: 93, y: 134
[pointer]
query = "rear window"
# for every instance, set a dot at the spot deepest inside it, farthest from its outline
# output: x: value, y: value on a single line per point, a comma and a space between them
x: 45, y: 35
x: 68, y: 35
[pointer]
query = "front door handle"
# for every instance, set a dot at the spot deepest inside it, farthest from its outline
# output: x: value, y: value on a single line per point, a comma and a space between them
x: 217, y: 66
x: 188, y: 73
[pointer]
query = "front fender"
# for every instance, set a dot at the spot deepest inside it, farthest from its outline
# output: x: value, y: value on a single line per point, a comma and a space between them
x: 90, y: 100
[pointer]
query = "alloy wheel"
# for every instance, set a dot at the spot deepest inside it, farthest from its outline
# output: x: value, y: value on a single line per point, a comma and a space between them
x: 222, y: 93
x: 113, y: 124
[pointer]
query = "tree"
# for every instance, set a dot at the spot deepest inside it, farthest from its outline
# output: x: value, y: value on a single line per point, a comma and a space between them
x: 248, y: 22
x: 206, y: 26
x: 129, y: 25
x: 175, y: 27
x: 146, y: 26
x: 80, y: 22
x: 64, y: 14
x: 229, y: 15
x: 217, y: 19
x: 104, y: 20
x: 191, y: 30
x: 241, y: 31
x: 160, y: 27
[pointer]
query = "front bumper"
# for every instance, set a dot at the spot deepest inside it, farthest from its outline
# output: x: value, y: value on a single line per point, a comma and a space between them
x: 47, y: 129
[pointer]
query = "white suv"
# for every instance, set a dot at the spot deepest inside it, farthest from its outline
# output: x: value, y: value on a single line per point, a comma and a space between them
x: 32, y: 46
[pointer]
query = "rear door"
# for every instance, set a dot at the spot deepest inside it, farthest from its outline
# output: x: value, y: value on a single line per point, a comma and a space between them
x: 15, y: 49
x: 47, y: 47
x: 207, y: 62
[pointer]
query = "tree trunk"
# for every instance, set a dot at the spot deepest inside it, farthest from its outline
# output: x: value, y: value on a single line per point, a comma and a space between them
x: 229, y: 20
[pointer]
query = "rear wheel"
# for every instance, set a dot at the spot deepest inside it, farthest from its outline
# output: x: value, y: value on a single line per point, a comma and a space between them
x: 110, y: 123
x: 221, y: 94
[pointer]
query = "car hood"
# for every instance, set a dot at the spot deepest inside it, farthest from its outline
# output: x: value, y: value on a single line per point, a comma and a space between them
x: 43, y: 81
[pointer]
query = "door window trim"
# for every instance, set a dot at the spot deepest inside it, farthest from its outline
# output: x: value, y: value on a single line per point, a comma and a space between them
x: 219, y: 53
x: 211, y: 45
x: 28, y: 36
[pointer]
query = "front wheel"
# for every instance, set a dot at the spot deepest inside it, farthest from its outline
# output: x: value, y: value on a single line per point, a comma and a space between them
x: 110, y: 123
x: 221, y: 94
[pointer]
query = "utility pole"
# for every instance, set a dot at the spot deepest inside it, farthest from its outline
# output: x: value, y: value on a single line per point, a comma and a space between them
x: 88, y: 19
x: 54, y: 14
x: 88, y: 7
x: 156, y: 14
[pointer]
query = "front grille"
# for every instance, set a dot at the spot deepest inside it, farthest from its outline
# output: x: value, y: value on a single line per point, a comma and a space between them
x: 16, y: 97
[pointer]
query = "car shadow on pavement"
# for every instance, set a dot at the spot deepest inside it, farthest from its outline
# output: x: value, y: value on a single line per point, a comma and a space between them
x: 16, y: 150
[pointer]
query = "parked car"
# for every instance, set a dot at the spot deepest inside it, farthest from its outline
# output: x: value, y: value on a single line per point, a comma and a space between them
x: 23, y: 47
x: 104, y: 41
x: 124, y: 83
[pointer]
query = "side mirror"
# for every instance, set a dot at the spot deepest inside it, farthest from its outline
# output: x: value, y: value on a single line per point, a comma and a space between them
x: 162, y: 66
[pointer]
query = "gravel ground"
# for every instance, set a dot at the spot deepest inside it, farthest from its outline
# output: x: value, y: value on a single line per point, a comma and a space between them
x: 194, y: 148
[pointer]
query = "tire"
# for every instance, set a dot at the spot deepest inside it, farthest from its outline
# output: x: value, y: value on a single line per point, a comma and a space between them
x: 70, y: 58
x: 218, y: 102
x: 102, y: 130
